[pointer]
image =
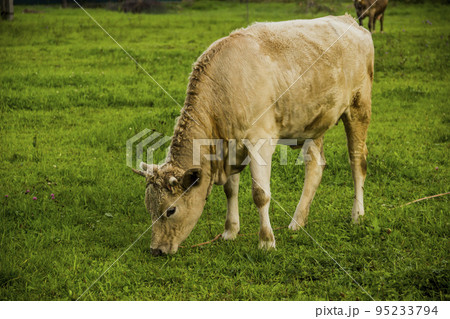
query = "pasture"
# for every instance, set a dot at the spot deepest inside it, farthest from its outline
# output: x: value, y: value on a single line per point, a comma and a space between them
x: 70, y: 98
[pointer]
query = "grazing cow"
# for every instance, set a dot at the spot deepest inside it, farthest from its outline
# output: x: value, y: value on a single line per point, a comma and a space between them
x: 270, y: 81
x: 374, y: 9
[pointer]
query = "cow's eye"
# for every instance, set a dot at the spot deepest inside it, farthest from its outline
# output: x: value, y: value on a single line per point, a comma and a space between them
x: 170, y: 211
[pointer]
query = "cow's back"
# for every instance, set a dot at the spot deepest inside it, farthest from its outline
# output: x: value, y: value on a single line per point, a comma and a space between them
x: 277, y: 77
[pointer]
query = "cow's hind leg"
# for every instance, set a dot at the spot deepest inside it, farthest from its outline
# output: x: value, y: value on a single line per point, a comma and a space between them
x: 315, y: 163
x: 381, y: 22
x: 231, y: 189
x: 356, y: 121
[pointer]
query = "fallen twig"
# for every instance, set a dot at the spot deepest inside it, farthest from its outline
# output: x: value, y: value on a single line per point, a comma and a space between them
x: 207, y: 242
x: 220, y: 235
x: 420, y: 199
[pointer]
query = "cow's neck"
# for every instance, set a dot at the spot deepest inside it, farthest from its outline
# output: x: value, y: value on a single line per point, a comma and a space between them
x: 194, y: 125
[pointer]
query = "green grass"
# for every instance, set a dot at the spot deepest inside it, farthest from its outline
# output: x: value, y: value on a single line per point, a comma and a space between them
x: 70, y: 98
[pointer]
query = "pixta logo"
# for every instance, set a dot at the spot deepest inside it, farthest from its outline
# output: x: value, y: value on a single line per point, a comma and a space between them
x: 142, y: 147
x: 145, y: 143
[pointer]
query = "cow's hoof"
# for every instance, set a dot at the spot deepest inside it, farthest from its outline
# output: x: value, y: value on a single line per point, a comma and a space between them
x: 266, y: 238
x: 267, y: 245
x: 357, y: 219
x: 229, y: 234
x: 295, y: 225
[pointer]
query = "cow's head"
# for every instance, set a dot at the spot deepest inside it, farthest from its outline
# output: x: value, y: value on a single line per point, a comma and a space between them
x: 359, y: 3
x: 360, y: 6
x: 175, y: 199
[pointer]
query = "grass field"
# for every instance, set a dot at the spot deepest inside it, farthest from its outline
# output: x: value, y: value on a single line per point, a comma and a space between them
x: 70, y: 98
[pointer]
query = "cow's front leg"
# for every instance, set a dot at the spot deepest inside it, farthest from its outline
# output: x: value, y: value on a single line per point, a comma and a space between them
x: 231, y: 189
x: 260, y: 166
x: 315, y: 163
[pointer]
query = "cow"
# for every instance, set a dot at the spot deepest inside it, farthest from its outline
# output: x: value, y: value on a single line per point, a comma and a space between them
x: 374, y: 9
x: 270, y: 81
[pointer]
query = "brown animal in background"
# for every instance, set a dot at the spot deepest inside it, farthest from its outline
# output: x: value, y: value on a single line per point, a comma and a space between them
x: 374, y: 9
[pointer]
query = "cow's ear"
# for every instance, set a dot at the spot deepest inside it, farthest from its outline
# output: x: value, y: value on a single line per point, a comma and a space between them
x: 192, y: 178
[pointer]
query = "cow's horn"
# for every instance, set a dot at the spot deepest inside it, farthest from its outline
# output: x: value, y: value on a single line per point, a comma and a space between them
x: 142, y: 173
x: 148, y: 168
